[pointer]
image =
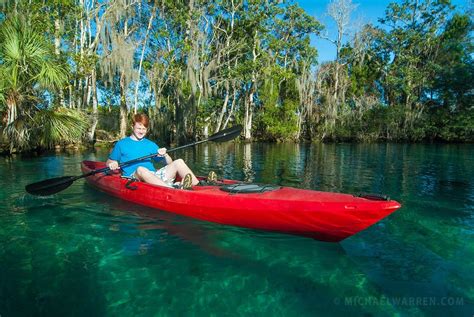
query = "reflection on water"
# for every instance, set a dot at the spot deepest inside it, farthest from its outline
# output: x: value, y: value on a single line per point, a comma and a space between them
x: 249, y: 175
x: 81, y: 252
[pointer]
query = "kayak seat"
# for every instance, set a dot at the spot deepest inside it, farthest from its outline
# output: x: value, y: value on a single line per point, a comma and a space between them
x: 373, y: 196
x: 249, y: 188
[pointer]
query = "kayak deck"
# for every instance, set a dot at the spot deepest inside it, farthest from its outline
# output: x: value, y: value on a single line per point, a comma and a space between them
x: 320, y: 215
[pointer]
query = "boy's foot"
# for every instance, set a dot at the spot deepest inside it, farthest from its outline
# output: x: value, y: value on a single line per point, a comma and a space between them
x: 212, y: 177
x: 187, y: 181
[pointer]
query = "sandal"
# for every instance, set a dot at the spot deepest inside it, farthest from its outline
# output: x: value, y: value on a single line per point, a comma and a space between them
x: 187, y: 182
x: 212, y: 177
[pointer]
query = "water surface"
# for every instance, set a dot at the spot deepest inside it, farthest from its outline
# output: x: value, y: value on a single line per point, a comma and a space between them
x: 83, y: 253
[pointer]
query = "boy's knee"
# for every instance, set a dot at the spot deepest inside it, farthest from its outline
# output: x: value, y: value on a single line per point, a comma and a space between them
x: 179, y: 161
x: 141, y: 170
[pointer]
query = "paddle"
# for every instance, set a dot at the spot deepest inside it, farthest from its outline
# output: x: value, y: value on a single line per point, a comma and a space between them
x: 54, y: 185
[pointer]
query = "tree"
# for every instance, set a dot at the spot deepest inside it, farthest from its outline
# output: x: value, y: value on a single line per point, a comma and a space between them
x: 337, y: 84
x: 454, y: 68
x: 31, y: 78
x: 290, y: 57
x: 118, y: 49
x: 410, y: 49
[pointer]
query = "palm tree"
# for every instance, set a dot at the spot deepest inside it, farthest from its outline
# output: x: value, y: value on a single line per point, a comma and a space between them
x: 30, y: 75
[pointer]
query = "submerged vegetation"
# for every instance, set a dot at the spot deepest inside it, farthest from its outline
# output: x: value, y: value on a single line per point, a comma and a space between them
x: 198, y: 66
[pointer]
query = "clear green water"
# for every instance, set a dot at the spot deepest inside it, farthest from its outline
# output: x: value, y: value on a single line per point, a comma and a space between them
x: 82, y: 253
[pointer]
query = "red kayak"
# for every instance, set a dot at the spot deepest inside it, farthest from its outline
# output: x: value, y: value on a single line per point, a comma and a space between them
x: 320, y: 215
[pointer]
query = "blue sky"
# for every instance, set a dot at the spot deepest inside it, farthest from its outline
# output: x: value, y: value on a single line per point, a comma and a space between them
x: 368, y: 11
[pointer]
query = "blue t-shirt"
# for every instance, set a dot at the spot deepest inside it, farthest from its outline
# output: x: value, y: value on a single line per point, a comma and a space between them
x: 129, y: 149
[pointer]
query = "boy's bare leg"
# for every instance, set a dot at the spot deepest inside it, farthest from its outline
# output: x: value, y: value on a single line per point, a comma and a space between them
x: 147, y: 176
x: 179, y: 167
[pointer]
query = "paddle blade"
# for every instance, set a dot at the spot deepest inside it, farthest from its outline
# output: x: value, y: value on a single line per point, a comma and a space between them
x: 50, y: 186
x: 226, y: 134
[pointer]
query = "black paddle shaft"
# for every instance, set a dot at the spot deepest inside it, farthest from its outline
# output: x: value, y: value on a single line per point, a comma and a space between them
x: 54, y: 185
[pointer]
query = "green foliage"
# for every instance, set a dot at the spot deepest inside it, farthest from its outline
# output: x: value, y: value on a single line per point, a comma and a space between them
x: 46, y: 128
x: 84, y: 64
x: 27, y: 57
x: 279, y: 100
x: 454, y: 78
x: 3, y: 90
x: 419, y: 67
x: 447, y: 125
x: 30, y: 72
x: 55, y: 126
x: 206, y: 113
x: 409, y: 79
x: 109, y: 119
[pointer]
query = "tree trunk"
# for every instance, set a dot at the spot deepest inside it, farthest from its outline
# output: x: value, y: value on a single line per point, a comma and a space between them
x: 57, y: 51
x: 137, y: 82
x: 95, y: 110
x: 250, y: 104
x: 12, y: 110
x: 231, y: 111
x: 224, y: 107
x: 248, y: 117
x: 123, y: 106
x: 187, y: 112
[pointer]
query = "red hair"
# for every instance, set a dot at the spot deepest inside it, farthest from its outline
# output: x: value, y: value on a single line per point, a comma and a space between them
x: 141, y: 118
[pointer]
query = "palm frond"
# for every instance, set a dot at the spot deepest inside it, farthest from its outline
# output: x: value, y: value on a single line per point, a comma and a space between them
x: 29, y: 70
x: 52, y: 75
x: 28, y: 56
x: 10, y: 42
x: 58, y: 126
x: 3, y: 90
